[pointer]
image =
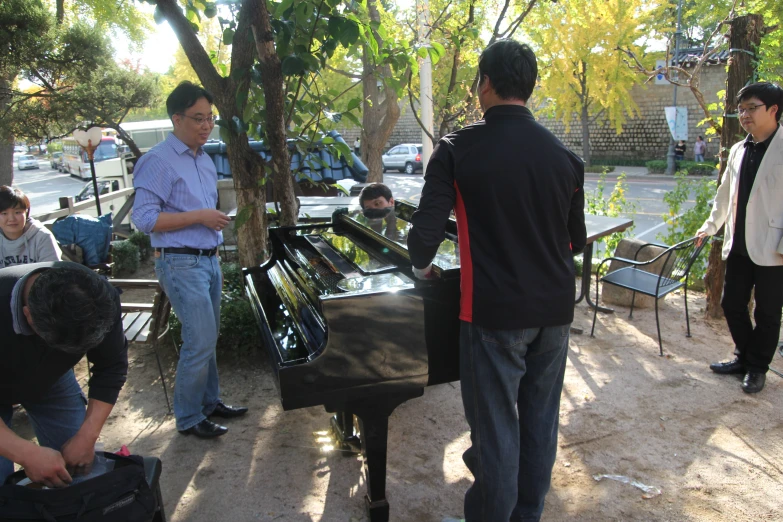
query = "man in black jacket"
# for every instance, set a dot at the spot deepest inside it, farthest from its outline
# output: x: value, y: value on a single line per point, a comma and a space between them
x: 517, y: 193
x: 51, y: 314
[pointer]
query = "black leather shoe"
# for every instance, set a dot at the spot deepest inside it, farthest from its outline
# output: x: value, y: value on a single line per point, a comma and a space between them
x: 228, y: 412
x: 754, y: 382
x: 733, y: 367
x: 206, y: 429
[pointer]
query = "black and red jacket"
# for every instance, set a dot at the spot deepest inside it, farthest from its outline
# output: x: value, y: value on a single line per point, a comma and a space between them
x: 518, y: 196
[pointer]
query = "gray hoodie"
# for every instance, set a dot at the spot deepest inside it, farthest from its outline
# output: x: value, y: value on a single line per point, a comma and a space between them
x: 36, y: 244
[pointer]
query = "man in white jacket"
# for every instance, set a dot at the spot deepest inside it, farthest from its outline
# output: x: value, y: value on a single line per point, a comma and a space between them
x: 750, y: 204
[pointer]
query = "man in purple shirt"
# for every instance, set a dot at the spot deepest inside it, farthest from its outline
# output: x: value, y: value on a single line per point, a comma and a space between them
x: 176, y: 200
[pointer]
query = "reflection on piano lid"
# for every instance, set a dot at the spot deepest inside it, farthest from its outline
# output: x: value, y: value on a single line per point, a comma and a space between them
x: 446, y: 259
x: 386, y: 282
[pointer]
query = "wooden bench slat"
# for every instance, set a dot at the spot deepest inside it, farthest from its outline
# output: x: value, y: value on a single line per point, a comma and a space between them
x: 127, y: 320
x: 141, y: 321
x: 136, y: 307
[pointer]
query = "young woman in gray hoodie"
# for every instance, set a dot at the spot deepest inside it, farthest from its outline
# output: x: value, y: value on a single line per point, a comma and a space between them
x: 23, y: 239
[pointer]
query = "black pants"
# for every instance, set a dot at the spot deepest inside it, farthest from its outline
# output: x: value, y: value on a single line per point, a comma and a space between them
x: 754, y: 347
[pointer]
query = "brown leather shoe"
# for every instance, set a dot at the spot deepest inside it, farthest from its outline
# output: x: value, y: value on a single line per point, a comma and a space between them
x: 754, y: 382
x: 733, y: 367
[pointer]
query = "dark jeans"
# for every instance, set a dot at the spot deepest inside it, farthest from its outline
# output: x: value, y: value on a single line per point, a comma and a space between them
x: 56, y: 417
x: 511, y: 382
x: 754, y: 347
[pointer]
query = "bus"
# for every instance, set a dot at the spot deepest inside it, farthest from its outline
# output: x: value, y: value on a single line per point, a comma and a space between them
x: 76, y: 163
x: 147, y: 134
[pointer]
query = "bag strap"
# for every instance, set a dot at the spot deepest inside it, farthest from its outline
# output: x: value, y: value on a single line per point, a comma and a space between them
x: 85, y: 502
x: 44, y: 513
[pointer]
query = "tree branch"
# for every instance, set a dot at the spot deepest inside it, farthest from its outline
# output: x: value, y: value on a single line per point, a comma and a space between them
x: 198, y: 57
x: 344, y: 73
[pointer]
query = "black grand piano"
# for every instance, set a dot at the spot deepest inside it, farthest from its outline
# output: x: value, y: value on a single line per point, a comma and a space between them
x: 346, y: 325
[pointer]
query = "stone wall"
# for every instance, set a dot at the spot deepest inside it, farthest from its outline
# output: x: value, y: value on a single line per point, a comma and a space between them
x: 647, y: 136
x: 407, y: 129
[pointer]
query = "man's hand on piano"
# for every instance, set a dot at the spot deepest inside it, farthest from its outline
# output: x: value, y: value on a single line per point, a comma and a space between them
x: 423, y: 273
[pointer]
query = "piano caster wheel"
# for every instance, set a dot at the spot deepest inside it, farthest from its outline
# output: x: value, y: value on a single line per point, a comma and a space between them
x: 378, y: 511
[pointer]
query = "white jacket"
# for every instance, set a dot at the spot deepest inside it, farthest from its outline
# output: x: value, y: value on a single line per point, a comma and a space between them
x: 764, y: 213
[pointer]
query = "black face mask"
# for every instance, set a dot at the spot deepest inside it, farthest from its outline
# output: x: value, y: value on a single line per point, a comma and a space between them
x: 377, y: 213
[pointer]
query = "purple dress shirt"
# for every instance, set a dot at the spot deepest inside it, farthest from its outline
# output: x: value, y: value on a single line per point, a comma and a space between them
x: 170, y: 178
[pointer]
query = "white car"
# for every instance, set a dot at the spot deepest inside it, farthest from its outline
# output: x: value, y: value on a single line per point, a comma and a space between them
x: 27, y: 161
x: 405, y: 158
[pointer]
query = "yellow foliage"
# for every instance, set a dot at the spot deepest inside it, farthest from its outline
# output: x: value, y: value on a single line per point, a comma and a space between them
x: 581, y: 73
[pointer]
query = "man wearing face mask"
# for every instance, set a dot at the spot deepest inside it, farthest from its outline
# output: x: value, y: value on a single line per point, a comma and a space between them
x: 517, y: 194
x: 376, y: 200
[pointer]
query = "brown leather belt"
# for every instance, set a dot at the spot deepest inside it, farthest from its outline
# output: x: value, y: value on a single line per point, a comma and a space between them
x: 188, y: 251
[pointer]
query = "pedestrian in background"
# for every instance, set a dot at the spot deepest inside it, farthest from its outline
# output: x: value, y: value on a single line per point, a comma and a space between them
x: 679, y: 151
x: 699, y: 148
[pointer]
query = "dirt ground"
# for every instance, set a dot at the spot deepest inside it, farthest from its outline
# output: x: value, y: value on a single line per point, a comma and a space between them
x: 715, y: 453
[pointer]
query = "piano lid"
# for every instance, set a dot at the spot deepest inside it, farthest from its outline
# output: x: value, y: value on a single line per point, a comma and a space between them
x: 392, y: 232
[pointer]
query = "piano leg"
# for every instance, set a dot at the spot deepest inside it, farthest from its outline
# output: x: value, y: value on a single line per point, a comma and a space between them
x: 342, y: 428
x: 374, y: 428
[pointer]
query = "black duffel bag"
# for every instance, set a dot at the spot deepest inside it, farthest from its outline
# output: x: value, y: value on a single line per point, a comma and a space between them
x: 120, y: 495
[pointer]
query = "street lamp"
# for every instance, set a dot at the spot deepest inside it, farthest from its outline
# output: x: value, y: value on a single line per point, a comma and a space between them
x: 90, y: 140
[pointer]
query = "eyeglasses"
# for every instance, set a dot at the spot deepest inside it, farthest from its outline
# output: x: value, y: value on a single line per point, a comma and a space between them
x: 749, y: 110
x: 201, y: 120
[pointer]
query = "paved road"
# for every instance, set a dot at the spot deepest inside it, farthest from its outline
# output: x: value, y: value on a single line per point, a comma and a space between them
x: 45, y: 186
x: 646, y: 192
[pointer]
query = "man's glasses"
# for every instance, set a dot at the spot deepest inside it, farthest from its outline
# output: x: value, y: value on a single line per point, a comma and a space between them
x: 201, y: 120
x: 749, y: 110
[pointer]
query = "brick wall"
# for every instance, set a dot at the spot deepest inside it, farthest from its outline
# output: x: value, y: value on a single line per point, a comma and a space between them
x: 647, y: 136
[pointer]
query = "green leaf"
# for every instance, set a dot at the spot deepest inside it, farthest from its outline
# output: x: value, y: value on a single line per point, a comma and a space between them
x: 210, y: 11
x: 225, y: 135
x: 438, y: 48
x: 354, y: 103
x: 282, y: 7
x: 228, y: 36
x: 352, y: 118
x: 422, y: 52
x: 243, y: 216
x: 349, y: 34
x: 292, y: 65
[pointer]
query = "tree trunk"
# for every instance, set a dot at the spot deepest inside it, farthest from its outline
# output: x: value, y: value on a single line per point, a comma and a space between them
x: 381, y: 108
x: 125, y: 137
x: 60, y: 11
x: 247, y: 168
x: 6, y: 147
x: 272, y: 77
x: 745, y: 32
x: 585, y: 120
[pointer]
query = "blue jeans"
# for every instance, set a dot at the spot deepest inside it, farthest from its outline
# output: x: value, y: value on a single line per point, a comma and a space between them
x: 56, y: 416
x: 699, y: 158
x: 194, y: 285
x: 511, y: 382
